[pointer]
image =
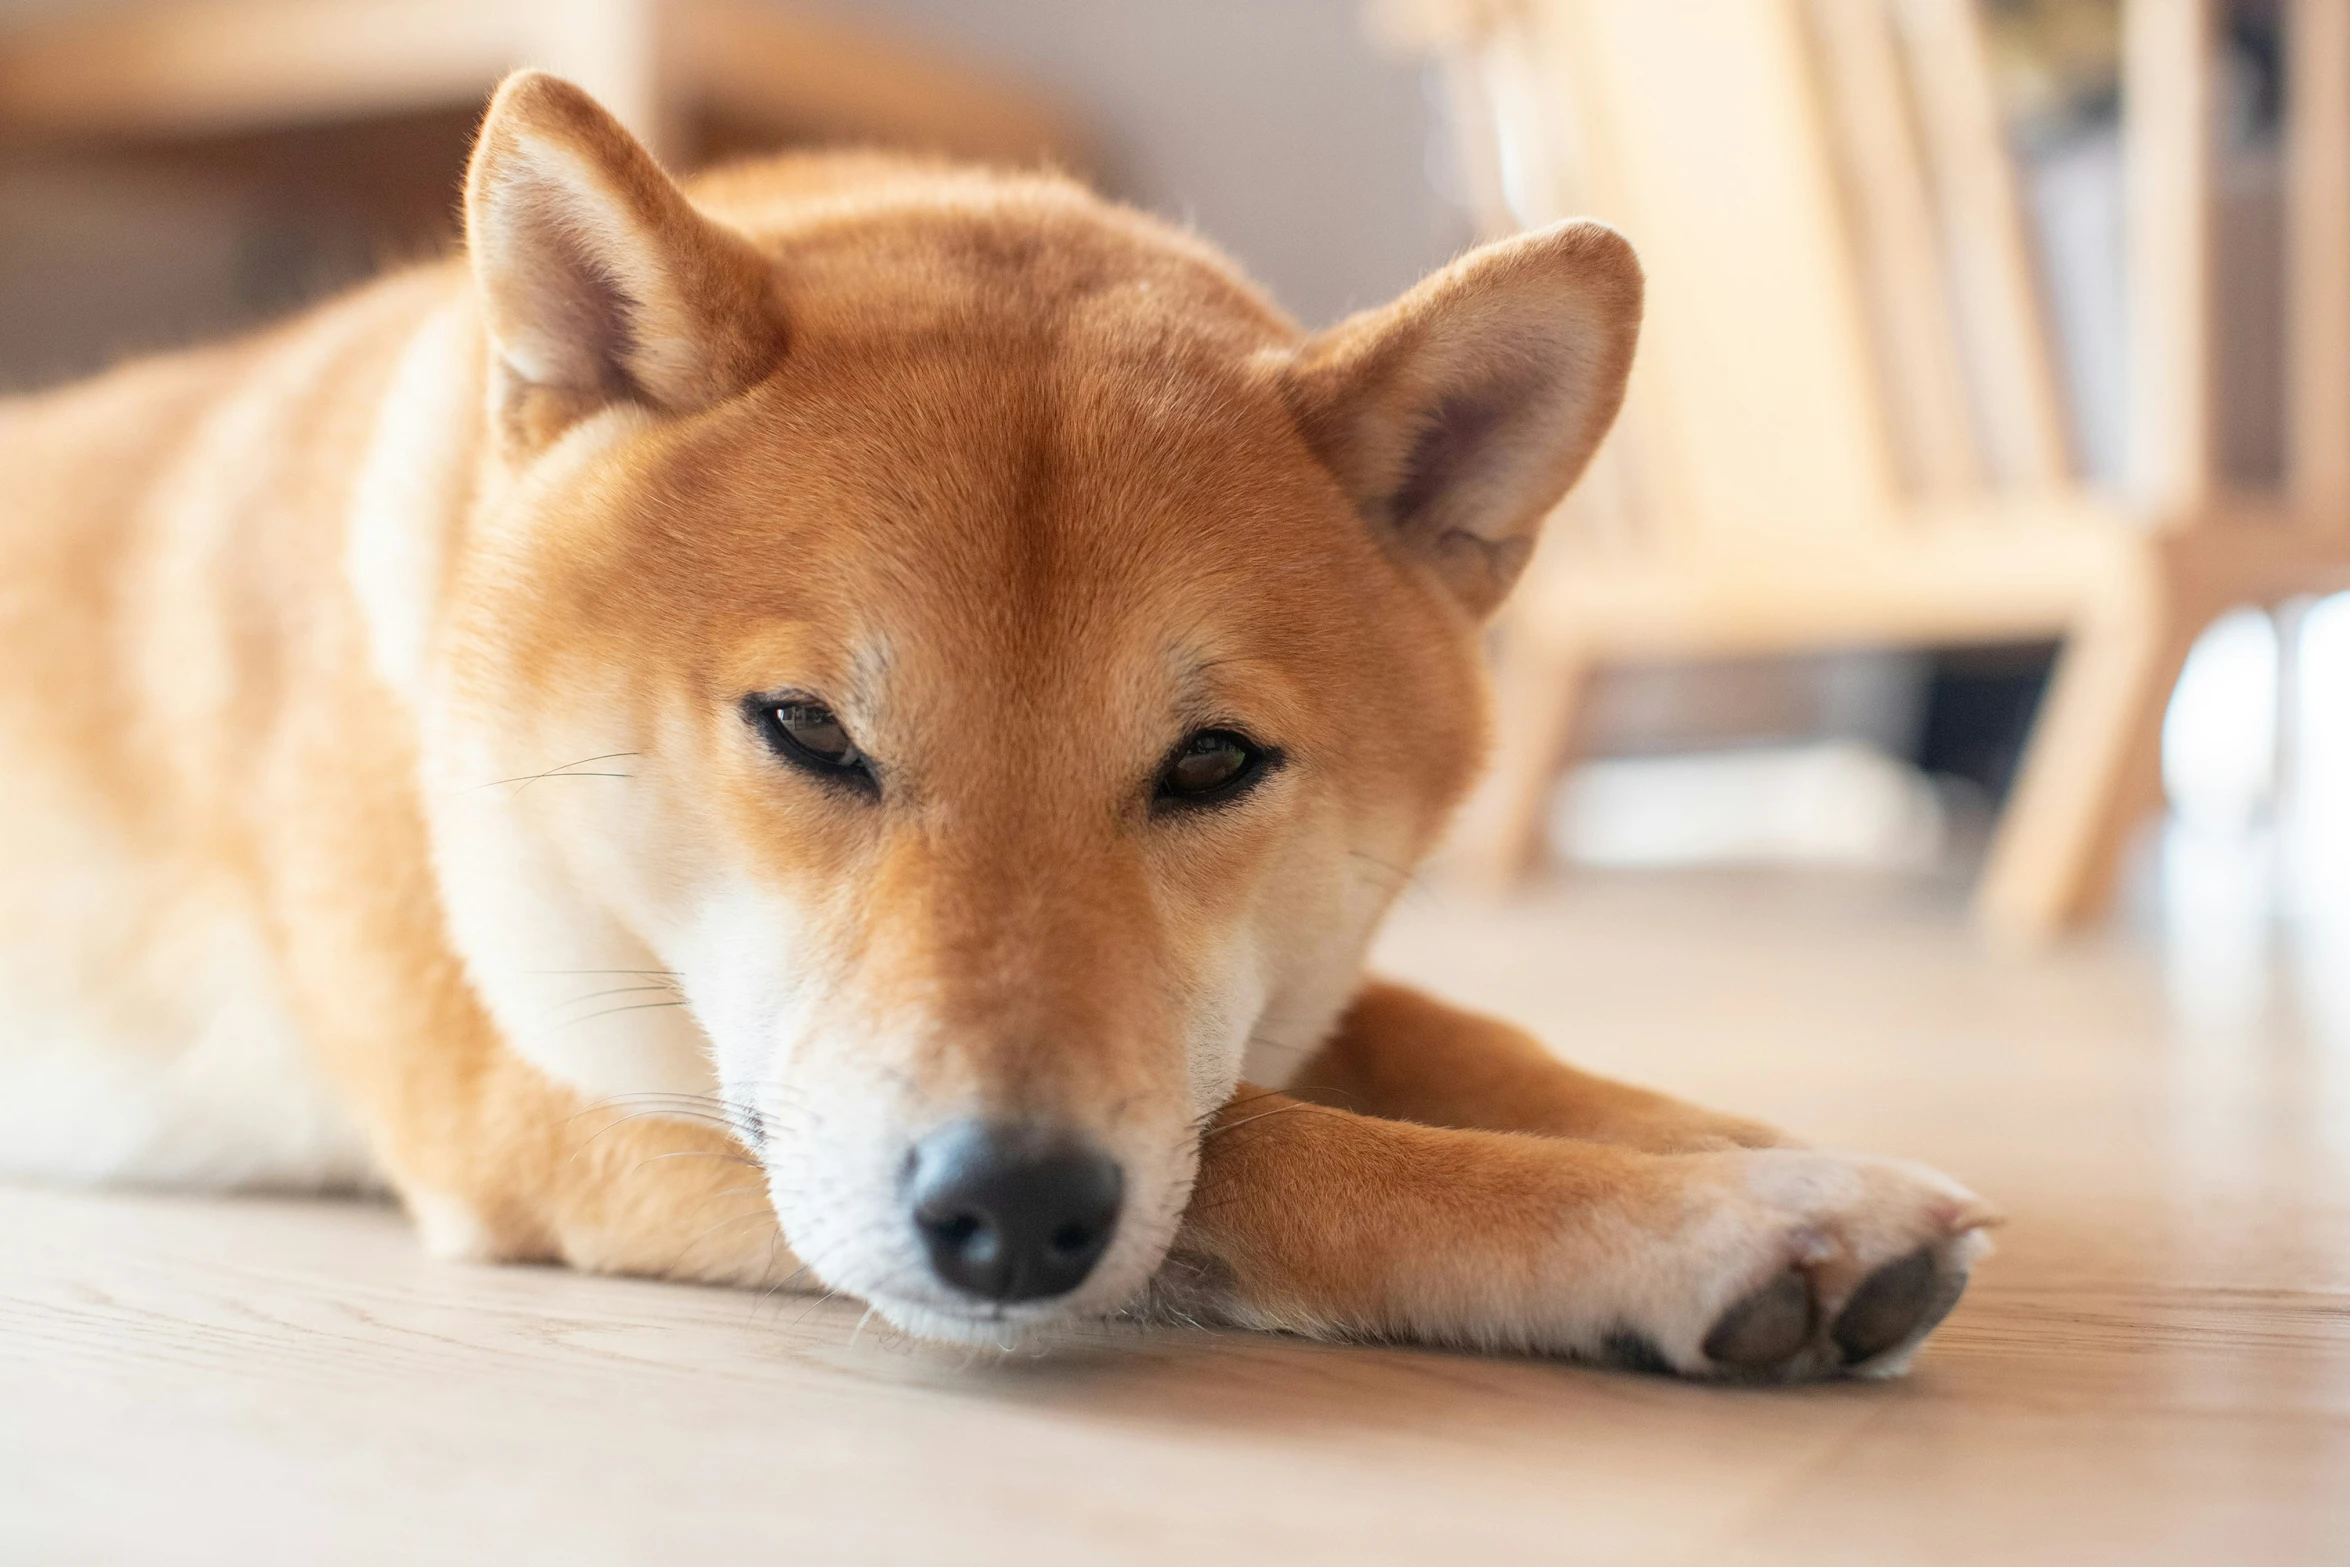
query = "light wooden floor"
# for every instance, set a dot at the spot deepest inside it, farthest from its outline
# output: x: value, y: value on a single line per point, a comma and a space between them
x: 2155, y: 1368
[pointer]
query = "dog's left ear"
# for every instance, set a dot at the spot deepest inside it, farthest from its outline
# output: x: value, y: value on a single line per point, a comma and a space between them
x: 599, y: 281
x: 1456, y: 417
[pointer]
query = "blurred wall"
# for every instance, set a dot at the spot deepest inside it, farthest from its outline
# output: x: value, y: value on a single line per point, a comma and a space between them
x: 1273, y: 126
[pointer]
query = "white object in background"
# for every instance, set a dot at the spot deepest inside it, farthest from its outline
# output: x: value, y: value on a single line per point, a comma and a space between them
x: 2317, y: 859
x: 2219, y: 737
x: 1833, y: 803
x: 2251, y: 858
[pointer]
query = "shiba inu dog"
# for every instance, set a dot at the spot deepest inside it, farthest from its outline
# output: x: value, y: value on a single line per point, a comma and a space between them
x: 919, y: 681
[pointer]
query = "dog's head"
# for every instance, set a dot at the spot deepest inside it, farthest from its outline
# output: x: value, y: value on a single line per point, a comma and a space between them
x: 983, y: 659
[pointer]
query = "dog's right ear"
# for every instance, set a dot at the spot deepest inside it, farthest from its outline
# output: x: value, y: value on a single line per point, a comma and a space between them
x: 599, y: 281
x: 1457, y: 416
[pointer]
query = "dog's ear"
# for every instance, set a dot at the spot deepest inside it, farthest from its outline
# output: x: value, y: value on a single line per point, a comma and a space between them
x: 1456, y: 417
x: 598, y: 279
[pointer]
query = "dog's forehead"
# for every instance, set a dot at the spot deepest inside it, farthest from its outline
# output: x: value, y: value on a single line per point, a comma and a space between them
x: 1132, y: 586
x: 953, y: 257
x: 1051, y: 473
x: 993, y: 497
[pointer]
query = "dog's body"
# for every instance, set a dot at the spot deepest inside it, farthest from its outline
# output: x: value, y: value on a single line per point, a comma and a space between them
x: 912, y: 680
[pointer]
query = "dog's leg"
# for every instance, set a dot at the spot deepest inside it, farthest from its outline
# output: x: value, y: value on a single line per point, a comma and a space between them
x: 518, y: 1168
x: 658, y: 1196
x: 1408, y: 1057
x: 1761, y: 1263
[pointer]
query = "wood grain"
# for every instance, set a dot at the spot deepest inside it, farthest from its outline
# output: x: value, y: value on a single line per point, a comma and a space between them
x: 2156, y: 1367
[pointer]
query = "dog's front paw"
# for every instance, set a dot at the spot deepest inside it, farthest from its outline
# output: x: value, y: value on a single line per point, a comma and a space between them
x: 1805, y: 1265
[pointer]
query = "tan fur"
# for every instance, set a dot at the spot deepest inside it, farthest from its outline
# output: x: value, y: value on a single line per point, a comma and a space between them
x: 408, y: 646
x: 1405, y: 1056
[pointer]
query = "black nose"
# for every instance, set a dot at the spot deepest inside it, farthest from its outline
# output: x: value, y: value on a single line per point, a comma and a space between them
x: 1012, y: 1212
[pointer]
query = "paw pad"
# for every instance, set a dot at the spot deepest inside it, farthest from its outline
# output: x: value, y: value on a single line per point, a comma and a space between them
x: 1765, y: 1328
x: 1900, y: 1302
x: 1775, y: 1332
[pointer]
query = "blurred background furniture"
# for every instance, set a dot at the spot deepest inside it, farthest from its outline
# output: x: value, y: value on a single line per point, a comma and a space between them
x: 1845, y: 427
x: 275, y: 150
x: 681, y: 73
x: 174, y: 169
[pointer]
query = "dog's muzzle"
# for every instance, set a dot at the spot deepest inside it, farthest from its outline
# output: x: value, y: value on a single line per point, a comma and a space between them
x: 1009, y: 1212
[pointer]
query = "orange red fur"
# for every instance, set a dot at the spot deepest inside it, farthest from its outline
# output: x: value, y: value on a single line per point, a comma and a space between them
x: 382, y: 804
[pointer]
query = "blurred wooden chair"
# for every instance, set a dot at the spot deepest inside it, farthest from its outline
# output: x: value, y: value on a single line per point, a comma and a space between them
x: 1844, y: 427
x: 768, y: 72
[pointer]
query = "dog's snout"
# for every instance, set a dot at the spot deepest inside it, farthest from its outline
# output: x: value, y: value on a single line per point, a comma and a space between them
x: 1012, y: 1212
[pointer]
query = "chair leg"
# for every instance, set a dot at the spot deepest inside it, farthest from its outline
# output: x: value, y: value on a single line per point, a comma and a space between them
x: 1539, y: 694
x: 2093, y: 769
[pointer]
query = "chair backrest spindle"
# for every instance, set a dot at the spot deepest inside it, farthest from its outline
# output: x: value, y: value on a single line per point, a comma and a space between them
x: 2000, y: 329
x: 1864, y: 85
x: 2167, y: 129
x: 1756, y: 406
x: 2317, y: 145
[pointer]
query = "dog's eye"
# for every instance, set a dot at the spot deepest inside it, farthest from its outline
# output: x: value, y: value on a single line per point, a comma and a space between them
x: 814, y: 729
x: 1212, y: 766
x: 810, y: 735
